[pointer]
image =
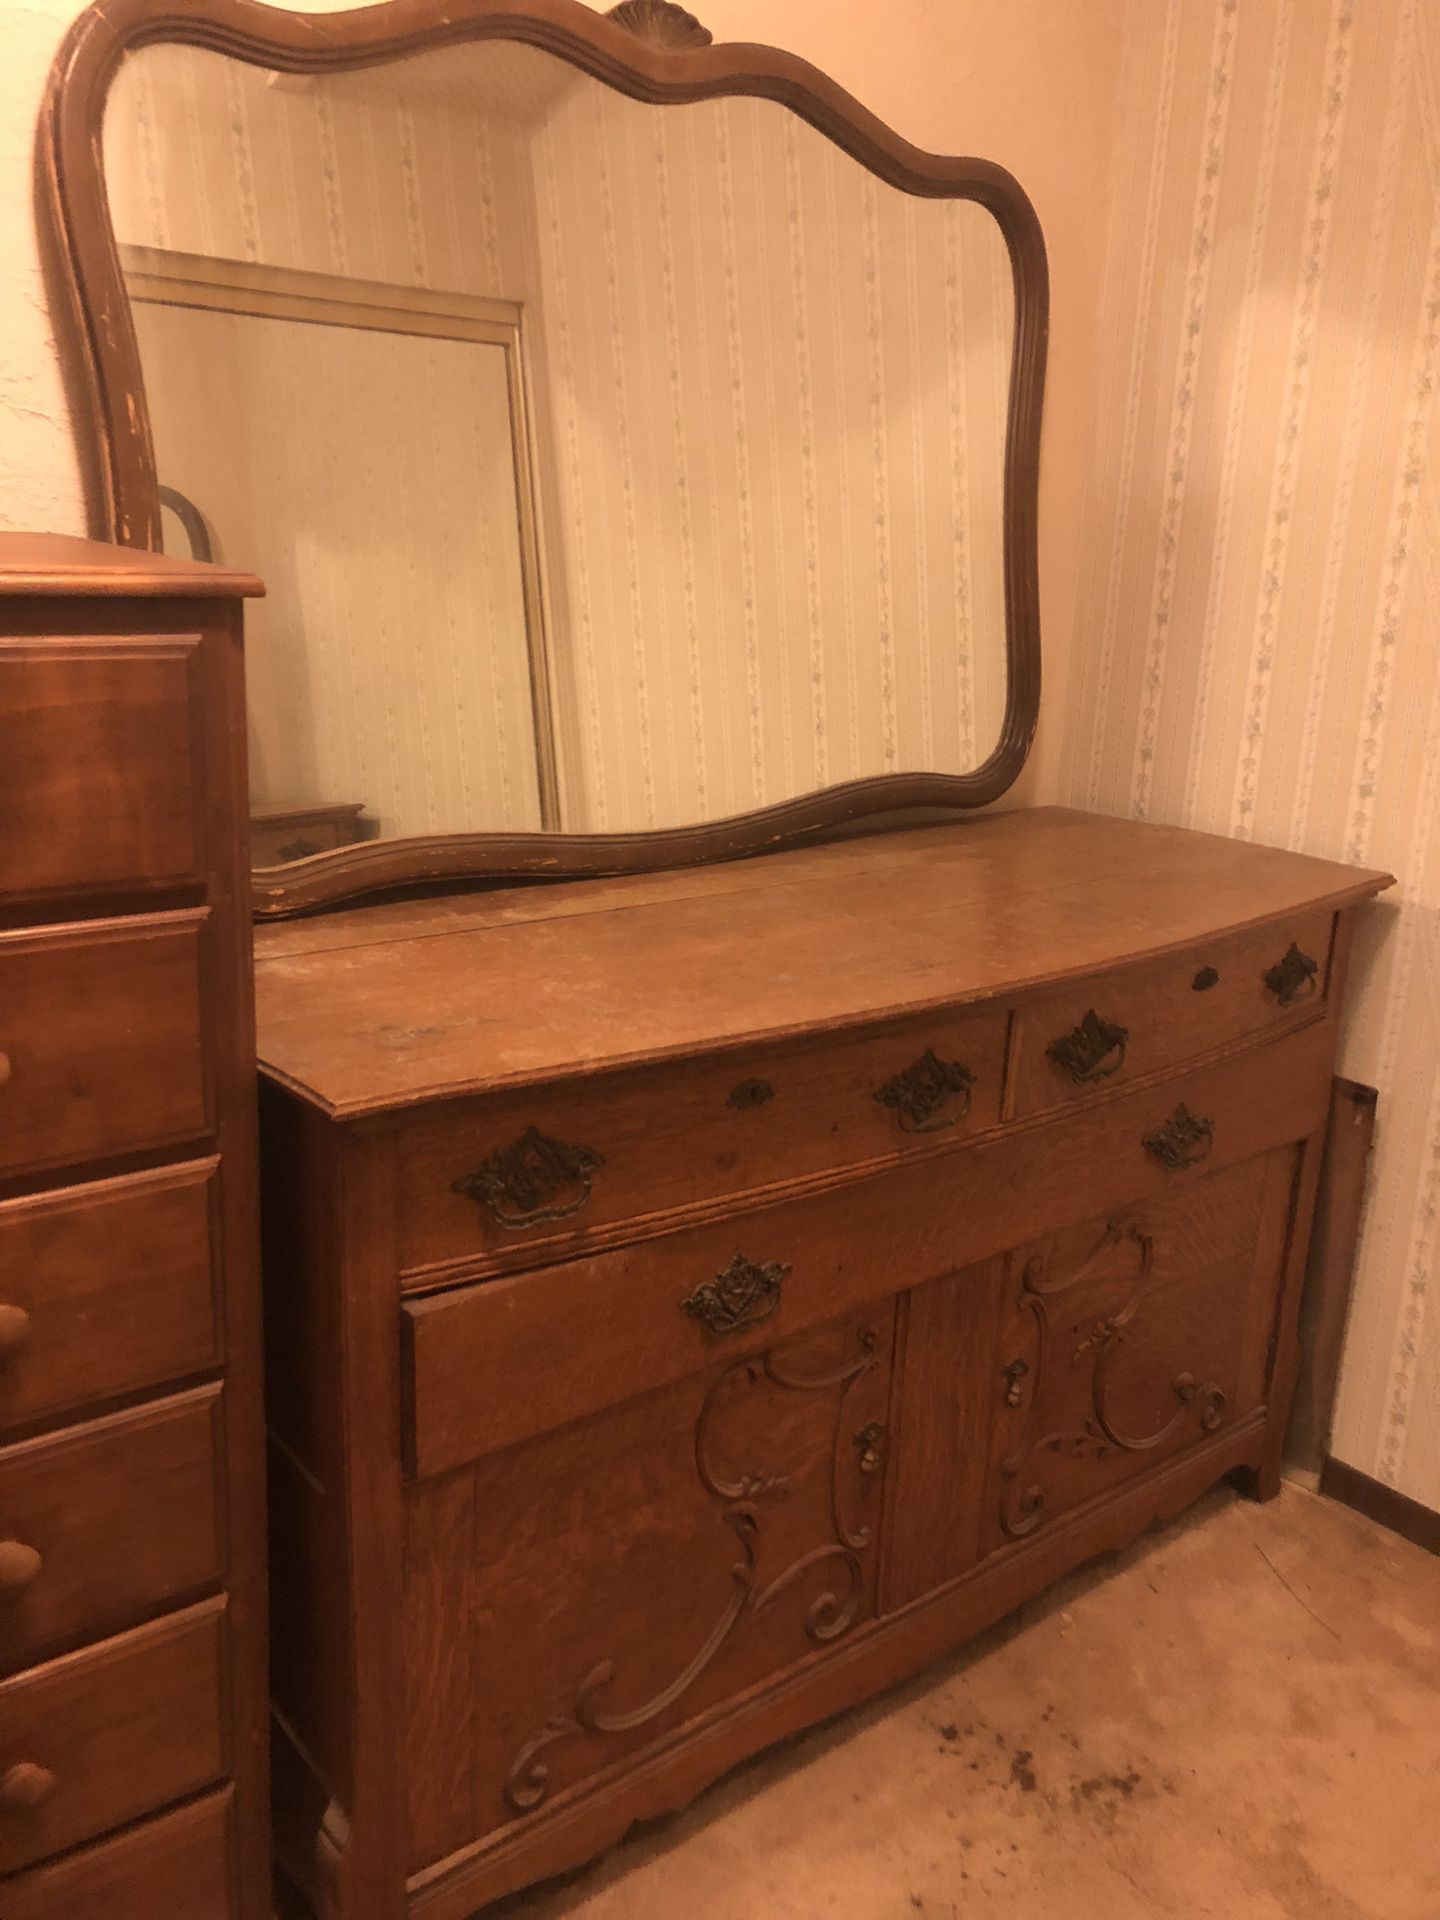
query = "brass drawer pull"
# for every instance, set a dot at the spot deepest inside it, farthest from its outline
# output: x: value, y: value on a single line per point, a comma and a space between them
x: 917, y: 1095
x: 14, y: 1331
x: 1293, y: 978
x: 19, y: 1565
x: 742, y: 1296
x: 25, y: 1787
x: 1092, y: 1051
x: 522, y: 1184
x: 1184, y: 1141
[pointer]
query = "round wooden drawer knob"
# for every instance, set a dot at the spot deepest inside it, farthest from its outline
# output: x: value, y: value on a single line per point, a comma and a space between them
x: 25, y: 1787
x: 19, y: 1565
x: 4, y: 1068
x: 14, y: 1330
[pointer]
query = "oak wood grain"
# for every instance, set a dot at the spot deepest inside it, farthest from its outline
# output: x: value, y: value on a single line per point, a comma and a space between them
x: 118, y: 1283
x: 950, y: 918
x: 125, y: 1727
x: 104, y: 1025
x: 124, y: 1515
x: 176, y: 1866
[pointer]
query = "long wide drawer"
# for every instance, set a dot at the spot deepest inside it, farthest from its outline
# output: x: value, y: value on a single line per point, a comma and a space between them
x: 106, y: 1289
x: 1153, y: 1017
x: 97, y: 780
x: 173, y: 1868
x: 488, y: 1365
x: 101, y: 1047
x: 513, y: 1180
x: 103, y: 1523
x: 111, y: 1734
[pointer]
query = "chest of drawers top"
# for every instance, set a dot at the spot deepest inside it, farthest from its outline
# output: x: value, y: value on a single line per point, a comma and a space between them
x: 401, y: 1004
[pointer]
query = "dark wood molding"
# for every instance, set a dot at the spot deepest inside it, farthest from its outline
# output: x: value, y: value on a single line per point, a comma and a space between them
x: 104, y: 377
x: 1384, y: 1505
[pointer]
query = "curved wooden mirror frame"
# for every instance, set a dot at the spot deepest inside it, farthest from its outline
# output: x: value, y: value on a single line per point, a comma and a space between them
x: 654, y: 52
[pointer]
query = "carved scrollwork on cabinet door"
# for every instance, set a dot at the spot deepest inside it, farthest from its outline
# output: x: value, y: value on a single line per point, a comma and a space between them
x: 634, y: 1569
x: 1122, y: 1343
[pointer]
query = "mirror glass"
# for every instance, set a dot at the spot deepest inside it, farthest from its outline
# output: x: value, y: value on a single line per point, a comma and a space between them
x: 609, y: 466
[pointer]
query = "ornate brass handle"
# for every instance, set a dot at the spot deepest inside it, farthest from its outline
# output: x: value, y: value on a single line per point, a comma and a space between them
x: 1184, y: 1141
x: 1084, y: 1052
x: 742, y: 1296
x: 522, y: 1184
x: 917, y: 1095
x: 1293, y: 978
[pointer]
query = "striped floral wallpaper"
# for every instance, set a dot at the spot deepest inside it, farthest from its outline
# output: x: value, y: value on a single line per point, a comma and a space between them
x: 780, y: 392
x: 1256, y: 645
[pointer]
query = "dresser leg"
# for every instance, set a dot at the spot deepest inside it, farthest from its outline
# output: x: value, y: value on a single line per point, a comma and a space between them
x: 1258, y: 1483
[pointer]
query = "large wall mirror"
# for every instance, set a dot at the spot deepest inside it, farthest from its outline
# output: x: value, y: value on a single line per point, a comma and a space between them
x: 638, y: 441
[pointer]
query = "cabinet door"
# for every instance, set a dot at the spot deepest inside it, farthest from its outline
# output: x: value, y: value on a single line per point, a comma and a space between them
x: 1132, y: 1336
x: 581, y: 1595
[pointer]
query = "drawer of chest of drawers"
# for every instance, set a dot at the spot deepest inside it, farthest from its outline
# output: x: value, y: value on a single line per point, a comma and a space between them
x: 108, y: 1735
x: 101, y: 1036
x: 175, y: 1867
x: 97, y: 780
x: 1155, y: 1016
x: 514, y: 1179
x: 106, y: 1289
x: 102, y: 1524
x: 488, y: 1365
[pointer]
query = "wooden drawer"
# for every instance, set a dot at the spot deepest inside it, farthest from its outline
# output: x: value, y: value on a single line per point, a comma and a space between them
x: 281, y: 834
x: 550, y: 1169
x: 110, y: 1734
x: 176, y: 1868
x: 97, y: 780
x: 487, y: 1365
x: 100, y: 1029
x: 1153, y: 1017
x: 106, y: 1289
x: 104, y: 1523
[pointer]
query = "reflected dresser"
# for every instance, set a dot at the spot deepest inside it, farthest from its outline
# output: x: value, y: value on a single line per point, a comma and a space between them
x: 697, y: 1300
x: 133, y: 1724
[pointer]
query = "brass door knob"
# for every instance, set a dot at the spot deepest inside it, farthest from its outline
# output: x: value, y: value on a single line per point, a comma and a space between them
x: 14, y: 1330
x: 25, y: 1787
x: 19, y: 1565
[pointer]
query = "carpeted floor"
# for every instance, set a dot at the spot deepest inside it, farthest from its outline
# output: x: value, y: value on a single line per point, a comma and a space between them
x: 1239, y: 1718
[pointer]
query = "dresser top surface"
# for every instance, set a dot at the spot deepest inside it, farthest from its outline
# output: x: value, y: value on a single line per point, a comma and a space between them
x: 404, y: 1001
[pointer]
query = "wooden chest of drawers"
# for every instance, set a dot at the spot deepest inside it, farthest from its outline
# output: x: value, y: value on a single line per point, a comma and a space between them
x: 696, y: 1301
x: 133, y: 1722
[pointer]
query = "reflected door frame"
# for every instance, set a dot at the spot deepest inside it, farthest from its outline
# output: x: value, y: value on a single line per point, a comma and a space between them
x: 159, y: 276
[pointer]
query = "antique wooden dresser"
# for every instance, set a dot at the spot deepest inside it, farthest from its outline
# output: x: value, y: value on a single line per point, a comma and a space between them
x: 697, y: 1300
x: 132, y: 1528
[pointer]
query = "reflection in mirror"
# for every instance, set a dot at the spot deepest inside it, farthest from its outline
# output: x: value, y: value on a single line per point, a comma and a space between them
x: 722, y: 523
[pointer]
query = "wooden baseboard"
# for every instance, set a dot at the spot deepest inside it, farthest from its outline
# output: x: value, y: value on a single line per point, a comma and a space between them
x: 1382, y: 1504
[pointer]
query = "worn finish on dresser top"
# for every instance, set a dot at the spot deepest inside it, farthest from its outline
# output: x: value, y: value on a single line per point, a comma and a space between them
x: 132, y: 1552
x: 697, y: 1300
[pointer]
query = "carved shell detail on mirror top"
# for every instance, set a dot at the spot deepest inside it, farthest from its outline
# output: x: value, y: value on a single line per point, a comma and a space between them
x: 663, y: 493
x: 663, y: 22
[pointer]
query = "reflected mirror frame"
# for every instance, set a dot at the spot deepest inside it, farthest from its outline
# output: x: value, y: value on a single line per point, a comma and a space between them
x: 163, y: 277
x: 656, y: 53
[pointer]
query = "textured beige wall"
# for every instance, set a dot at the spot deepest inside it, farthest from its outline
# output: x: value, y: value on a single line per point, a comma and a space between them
x: 1257, y: 635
